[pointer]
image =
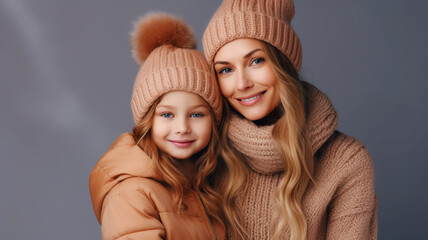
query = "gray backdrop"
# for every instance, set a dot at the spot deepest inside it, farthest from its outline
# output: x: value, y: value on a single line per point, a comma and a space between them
x: 66, y: 76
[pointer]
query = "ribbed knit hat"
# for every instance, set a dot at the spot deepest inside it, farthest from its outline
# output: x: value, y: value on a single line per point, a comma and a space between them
x: 267, y: 20
x: 164, y: 45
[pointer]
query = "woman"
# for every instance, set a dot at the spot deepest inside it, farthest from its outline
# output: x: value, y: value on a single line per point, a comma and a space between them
x: 290, y: 173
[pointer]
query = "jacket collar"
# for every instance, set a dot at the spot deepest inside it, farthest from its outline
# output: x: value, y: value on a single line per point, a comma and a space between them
x: 123, y: 160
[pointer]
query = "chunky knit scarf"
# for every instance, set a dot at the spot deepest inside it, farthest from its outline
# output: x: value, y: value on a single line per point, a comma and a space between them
x: 344, y: 191
x: 259, y: 148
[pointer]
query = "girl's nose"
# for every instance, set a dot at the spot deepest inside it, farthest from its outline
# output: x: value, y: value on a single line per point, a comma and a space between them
x: 182, y: 126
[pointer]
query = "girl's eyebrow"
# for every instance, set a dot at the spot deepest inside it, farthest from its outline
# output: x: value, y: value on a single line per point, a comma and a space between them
x: 173, y: 106
x: 245, y: 56
x: 164, y: 106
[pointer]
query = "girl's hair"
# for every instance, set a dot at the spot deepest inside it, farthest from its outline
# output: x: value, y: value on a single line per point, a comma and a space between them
x: 293, y: 143
x: 173, y: 174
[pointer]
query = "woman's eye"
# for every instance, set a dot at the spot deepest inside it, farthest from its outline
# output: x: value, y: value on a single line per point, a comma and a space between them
x: 196, y: 115
x: 257, y: 61
x: 166, y: 115
x: 225, y: 70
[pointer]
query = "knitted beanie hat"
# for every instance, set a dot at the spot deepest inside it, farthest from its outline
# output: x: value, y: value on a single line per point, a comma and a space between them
x: 164, y: 46
x: 267, y: 20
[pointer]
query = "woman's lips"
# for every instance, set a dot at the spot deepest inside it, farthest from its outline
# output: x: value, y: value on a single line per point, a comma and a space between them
x: 251, y: 100
x: 182, y: 143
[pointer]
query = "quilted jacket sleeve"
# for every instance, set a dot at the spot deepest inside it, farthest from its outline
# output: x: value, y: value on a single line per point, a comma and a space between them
x: 128, y: 212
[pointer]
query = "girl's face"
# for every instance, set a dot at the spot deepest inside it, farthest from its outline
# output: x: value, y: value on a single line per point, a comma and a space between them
x: 181, y: 124
x: 246, y: 78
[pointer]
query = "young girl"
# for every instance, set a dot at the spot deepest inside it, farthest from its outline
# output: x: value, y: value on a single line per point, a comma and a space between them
x: 155, y: 183
x: 291, y: 174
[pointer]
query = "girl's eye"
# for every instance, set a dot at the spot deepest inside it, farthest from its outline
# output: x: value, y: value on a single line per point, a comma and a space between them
x: 257, y: 61
x: 196, y: 115
x: 225, y: 70
x: 166, y: 115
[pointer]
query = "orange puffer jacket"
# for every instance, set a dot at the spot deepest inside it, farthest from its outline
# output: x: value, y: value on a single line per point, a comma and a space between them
x: 131, y: 203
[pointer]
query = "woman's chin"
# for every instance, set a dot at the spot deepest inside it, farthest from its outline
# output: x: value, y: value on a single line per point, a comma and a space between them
x: 253, y: 115
x: 260, y: 117
x: 256, y: 113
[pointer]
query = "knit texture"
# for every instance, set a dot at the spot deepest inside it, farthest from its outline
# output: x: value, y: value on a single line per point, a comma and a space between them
x: 260, y: 148
x: 167, y: 67
x: 342, y: 204
x: 267, y: 20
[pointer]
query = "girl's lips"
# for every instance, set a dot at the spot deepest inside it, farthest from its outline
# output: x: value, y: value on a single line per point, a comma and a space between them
x: 251, y: 100
x: 182, y: 144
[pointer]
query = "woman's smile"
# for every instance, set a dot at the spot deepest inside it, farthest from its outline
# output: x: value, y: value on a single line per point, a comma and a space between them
x: 251, y: 99
x: 246, y: 78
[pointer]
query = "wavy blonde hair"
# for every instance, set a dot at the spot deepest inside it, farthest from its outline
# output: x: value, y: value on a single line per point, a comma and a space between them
x: 293, y: 143
x: 290, y: 134
x: 174, y: 175
x: 231, y: 177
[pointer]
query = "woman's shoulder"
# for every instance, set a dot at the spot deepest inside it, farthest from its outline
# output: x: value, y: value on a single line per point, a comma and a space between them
x: 344, y: 168
x: 343, y: 153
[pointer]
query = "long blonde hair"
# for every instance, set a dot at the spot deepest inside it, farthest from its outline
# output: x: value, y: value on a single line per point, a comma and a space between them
x: 174, y: 175
x: 293, y: 143
x: 231, y: 177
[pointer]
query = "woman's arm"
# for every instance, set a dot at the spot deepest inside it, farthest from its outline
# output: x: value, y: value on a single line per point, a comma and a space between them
x: 353, y: 209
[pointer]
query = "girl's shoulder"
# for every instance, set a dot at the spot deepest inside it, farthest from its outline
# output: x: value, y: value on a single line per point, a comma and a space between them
x: 123, y: 160
x: 147, y: 186
x: 143, y: 189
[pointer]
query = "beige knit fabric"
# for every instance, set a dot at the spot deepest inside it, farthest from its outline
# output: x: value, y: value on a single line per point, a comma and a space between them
x: 342, y: 204
x: 164, y: 45
x: 258, y: 145
x: 267, y: 20
x: 169, y: 68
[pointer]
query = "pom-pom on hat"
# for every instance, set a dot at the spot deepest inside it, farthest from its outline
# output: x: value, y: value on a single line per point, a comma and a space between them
x: 266, y: 20
x: 164, y: 46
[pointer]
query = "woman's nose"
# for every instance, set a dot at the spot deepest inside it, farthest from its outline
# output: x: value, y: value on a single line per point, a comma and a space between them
x: 243, y: 81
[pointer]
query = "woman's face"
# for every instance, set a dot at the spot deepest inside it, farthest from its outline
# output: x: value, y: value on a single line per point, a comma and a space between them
x: 246, y: 78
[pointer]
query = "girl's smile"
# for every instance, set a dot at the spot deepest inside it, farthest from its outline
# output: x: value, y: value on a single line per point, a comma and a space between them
x: 182, y: 124
x: 181, y: 143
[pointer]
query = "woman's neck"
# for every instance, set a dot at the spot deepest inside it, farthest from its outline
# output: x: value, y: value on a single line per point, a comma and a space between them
x: 256, y: 144
x: 271, y: 118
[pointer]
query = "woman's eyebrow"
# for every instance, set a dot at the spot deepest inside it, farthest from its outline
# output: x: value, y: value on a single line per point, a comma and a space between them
x: 252, y: 52
x: 221, y: 62
x: 245, y: 56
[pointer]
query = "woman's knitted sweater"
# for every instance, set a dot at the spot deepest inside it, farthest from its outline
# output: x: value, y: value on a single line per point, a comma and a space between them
x: 342, y: 204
